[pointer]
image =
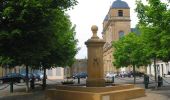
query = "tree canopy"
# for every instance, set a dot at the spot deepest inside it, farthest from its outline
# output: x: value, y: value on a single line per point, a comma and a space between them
x: 31, y: 29
x: 129, y: 51
x: 154, y: 26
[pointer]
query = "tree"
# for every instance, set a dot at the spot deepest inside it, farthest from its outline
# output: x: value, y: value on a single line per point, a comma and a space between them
x: 27, y: 33
x: 64, y: 49
x: 129, y: 51
x: 154, y: 29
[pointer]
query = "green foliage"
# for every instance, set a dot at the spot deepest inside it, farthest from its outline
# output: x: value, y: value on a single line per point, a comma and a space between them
x: 4, y: 61
x: 154, y: 25
x: 65, y: 46
x: 129, y: 50
x: 30, y: 30
x: 154, y: 20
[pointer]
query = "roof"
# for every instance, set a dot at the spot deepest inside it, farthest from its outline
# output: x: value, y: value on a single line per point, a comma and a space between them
x: 119, y: 4
x: 106, y: 18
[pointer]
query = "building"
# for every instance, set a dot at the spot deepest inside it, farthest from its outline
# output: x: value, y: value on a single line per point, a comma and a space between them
x: 6, y: 69
x: 116, y: 24
x: 80, y: 65
x: 55, y: 73
x: 162, y: 68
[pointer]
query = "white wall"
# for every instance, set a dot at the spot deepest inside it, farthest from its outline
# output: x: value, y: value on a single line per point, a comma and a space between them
x: 162, y: 68
x: 55, y: 73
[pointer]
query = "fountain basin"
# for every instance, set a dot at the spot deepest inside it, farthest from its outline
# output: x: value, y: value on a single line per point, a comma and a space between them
x: 116, y: 92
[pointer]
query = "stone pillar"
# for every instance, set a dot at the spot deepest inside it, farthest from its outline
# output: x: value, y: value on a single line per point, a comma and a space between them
x: 95, y: 67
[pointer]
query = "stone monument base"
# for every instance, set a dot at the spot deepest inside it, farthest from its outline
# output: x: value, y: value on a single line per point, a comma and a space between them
x: 117, y: 92
x: 95, y: 83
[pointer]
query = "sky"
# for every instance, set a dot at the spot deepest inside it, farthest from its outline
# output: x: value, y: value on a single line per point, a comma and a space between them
x: 93, y: 12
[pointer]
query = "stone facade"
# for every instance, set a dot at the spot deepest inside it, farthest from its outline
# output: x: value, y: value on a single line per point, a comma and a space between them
x: 55, y: 73
x: 115, y: 25
x: 80, y: 65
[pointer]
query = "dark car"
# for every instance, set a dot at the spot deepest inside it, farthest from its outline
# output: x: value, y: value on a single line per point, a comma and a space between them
x: 30, y: 75
x: 15, y: 77
x: 39, y: 76
x: 137, y: 73
x: 36, y: 76
x: 80, y: 75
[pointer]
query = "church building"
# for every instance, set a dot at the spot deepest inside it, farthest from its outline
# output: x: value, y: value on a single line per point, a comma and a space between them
x: 116, y: 24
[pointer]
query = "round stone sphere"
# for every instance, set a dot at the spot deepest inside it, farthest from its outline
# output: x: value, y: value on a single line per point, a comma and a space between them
x: 94, y: 28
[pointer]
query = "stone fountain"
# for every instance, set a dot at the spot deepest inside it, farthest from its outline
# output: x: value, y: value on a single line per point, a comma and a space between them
x: 95, y: 88
x: 95, y: 68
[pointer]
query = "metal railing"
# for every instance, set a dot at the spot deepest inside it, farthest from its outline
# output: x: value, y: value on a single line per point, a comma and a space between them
x: 5, y: 87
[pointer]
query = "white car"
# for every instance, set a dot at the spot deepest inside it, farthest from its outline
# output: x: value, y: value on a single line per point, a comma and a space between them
x: 167, y: 76
x: 109, y: 75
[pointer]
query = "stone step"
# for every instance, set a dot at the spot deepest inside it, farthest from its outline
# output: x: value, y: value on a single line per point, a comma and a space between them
x: 95, y: 89
x: 124, y: 94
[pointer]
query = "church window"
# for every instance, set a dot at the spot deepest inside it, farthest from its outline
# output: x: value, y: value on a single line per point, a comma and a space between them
x: 121, y: 34
x: 120, y: 13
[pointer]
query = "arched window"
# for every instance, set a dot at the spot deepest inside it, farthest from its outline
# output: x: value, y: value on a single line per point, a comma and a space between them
x: 121, y: 34
x: 120, y: 13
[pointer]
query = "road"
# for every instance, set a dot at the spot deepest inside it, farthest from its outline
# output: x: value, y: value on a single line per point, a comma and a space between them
x: 162, y: 93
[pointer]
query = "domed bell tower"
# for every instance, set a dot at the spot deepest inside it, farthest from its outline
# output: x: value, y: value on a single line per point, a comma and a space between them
x: 117, y: 22
x: 115, y: 25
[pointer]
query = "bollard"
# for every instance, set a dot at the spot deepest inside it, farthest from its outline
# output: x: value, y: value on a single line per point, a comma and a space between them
x: 146, y: 81
x: 160, y: 81
x: 113, y: 79
x: 159, y: 85
x: 32, y: 83
x: 78, y: 80
x: 11, y: 86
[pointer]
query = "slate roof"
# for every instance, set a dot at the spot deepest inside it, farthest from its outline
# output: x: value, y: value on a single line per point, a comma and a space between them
x: 119, y: 4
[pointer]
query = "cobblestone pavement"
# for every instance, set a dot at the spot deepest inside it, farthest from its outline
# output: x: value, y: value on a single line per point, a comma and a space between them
x: 162, y: 93
x: 156, y: 95
x: 20, y: 94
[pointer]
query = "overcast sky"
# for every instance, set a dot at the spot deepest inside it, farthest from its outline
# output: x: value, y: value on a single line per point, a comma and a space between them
x: 93, y: 12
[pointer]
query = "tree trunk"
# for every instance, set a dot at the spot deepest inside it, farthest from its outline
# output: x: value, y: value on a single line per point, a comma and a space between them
x: 156, y: 81
x: 27, y: 79
x: 44, y: 78
x: 2, y: 70
x: 134, y: 74
x: 5, y: 70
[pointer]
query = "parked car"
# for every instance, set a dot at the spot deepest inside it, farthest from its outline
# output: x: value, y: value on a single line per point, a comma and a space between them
x: 110, y: 75
x: 137, y: 73
x: 36, y: 75
x: 39, y: 75
x: 80, y: 75
x: 74, y: 75
x: 123, y: 74
x: 15, y: 77
x: 30, y: 75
